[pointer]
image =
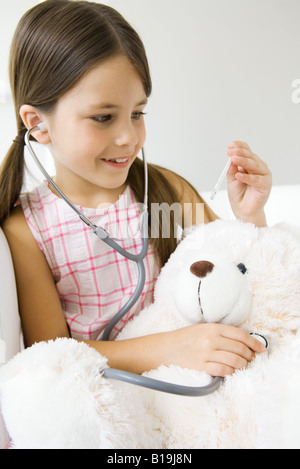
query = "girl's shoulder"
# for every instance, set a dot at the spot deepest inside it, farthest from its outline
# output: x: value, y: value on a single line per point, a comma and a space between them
x: 26, y: 254
x: 15, y: 222
x: 17, y: 232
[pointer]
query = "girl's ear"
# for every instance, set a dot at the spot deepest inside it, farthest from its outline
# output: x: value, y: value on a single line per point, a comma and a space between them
x: 31, y: 118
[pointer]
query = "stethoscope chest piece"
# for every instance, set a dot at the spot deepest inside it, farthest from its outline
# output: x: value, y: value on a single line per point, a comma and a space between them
x: 260, y: 338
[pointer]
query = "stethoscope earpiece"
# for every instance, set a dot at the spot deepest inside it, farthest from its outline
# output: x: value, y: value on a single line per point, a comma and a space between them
x: 42, y: 127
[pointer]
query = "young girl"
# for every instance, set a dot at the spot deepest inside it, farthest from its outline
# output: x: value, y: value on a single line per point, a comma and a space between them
x: 81, y: 69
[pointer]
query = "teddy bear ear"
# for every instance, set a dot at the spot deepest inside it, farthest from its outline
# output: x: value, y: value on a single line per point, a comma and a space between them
x: 201, y: 268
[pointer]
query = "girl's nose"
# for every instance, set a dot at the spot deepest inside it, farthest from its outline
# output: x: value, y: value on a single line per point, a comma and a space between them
x: 126, y: 135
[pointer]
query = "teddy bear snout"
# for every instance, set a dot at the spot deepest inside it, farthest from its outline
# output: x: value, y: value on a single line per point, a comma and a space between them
x: 201, y: 268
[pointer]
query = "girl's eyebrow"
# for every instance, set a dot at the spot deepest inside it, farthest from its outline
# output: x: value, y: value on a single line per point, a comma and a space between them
x: 95, y: 107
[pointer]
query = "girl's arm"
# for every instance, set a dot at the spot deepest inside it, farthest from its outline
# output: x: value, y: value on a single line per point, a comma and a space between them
x: 39, y: 306
x: 215, y: 348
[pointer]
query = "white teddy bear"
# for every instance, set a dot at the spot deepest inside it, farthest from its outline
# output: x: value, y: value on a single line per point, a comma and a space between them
x: 54, y: 395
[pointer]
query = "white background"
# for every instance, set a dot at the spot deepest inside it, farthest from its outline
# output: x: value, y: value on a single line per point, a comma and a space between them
x: 221, y: 69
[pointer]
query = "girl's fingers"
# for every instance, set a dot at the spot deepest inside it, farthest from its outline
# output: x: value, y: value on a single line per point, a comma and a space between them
x: 230, y: 360
x: 250, y: 165
x: 240, y: 145
x: 254, y: 180
x: 238, y: 349
x: 243, y: 337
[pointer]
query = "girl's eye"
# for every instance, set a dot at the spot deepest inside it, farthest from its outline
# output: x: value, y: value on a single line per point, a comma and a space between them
x: 105, y: 118
x: 102, y: 119
x: 137, y: 115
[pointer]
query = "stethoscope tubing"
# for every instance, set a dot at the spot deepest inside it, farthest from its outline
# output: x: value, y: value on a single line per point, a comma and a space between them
x: 163, y: 386
x: 104, y: 236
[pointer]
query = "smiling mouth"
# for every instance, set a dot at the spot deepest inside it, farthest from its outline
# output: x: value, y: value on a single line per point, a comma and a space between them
x: 118, y: 160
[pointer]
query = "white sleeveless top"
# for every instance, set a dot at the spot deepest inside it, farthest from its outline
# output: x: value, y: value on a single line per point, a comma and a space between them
x: 93, y: 281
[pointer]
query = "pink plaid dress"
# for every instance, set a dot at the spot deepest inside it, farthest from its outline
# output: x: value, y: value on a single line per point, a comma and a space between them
x: 93, y: 281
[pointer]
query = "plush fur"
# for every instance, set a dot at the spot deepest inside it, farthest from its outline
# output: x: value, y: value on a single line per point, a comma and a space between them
x: 53, y: 395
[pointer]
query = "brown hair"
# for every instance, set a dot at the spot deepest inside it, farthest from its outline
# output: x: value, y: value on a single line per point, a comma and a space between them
x: 55, y: 44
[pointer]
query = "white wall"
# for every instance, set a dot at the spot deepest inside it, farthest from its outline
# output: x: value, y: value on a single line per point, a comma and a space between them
x: 221, y: 69
x: 10, y: 13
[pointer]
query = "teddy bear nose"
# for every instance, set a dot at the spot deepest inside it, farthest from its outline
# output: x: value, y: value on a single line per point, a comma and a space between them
x: 201, y: 268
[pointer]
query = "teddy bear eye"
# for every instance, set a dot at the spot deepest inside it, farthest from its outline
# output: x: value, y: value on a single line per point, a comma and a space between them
x: 242, y: 268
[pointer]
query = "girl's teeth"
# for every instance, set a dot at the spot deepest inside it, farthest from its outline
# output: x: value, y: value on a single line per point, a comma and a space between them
x: 120, y: 160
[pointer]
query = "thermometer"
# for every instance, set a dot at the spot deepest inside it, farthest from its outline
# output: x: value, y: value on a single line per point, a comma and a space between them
x: 220, y: 180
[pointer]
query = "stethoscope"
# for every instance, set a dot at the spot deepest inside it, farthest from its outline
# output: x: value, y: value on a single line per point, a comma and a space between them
x: 102, y: 234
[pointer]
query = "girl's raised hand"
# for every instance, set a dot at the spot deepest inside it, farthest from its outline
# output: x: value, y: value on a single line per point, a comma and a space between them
x: 249, y: 182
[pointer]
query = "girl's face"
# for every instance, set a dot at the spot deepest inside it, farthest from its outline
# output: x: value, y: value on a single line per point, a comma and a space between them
x: 96, y: 131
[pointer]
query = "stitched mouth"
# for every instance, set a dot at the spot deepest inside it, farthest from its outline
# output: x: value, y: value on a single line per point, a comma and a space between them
x: 200, y: 304
x: 199, y: 298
